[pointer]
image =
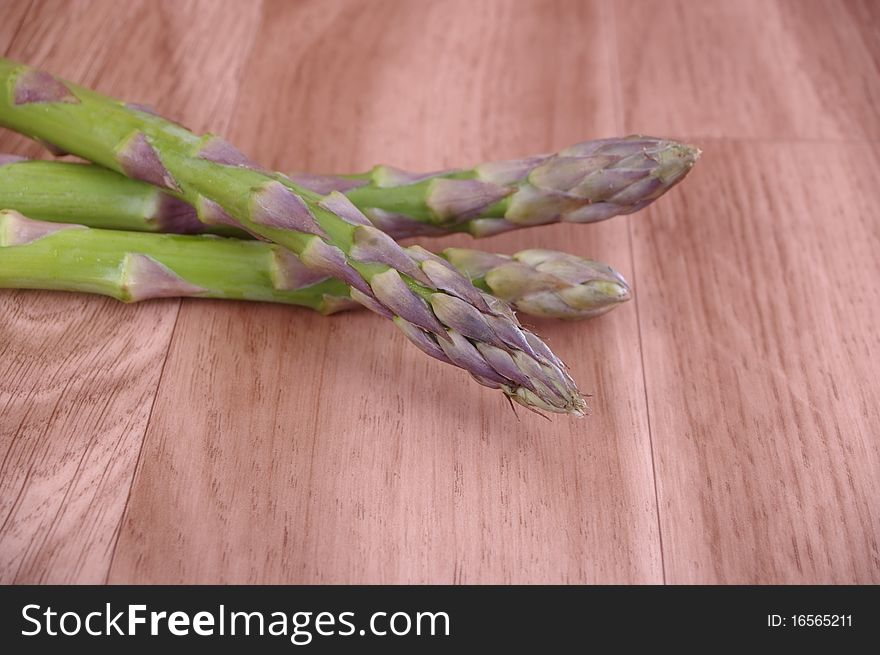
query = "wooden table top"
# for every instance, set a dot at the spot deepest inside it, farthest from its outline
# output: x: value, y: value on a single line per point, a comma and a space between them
x: 736, y: 401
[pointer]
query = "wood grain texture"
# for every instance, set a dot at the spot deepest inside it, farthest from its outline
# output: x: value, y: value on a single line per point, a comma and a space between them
x: 758, y: 305
x: 396, y: 101
x: 80, y: 374
x: 14, y: 12
x: 345, y: 455
x: 740, y: 388
x: 77, y: 379
x: 807, y: 69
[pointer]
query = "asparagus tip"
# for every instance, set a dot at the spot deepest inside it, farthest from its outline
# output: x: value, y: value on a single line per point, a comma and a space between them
x: 675, y: 162
x: 576, y: 406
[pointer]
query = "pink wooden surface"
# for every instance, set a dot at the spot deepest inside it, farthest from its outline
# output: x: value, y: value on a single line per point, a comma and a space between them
x: 734, y: 428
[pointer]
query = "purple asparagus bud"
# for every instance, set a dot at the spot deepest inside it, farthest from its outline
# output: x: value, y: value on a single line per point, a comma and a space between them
x: 588, y: 182
x: 545, y: 282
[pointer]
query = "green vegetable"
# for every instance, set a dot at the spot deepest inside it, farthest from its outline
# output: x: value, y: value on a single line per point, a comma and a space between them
x: 438, y: 309
x: 133, y: 266
x: 538, y: 282
x: 585, y: 183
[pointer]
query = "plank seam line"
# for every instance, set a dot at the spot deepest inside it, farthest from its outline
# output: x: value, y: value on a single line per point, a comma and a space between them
x: 140, y: 454
x: 647, y: 402
x: 311, y: 474
x: 617, y: 96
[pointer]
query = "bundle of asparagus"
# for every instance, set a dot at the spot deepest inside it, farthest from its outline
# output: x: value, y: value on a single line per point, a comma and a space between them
x: 324, y: 242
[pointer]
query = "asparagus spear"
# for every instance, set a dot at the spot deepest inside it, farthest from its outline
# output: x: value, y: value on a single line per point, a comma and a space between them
x: 134, y: 266
x: 84, y: 193
x: 584, y: 183
x: 545, y: 283
x: 72, y: 192
x: 131, y: 266
x: 588, y: 182
x: 538, y: 282
x: 437, y: 308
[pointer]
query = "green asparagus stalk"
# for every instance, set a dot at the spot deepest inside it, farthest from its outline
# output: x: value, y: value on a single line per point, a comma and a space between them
x: 542, y: 283
x: 131, y: 266
x: 585, y: 183
x: 134, y: 266
x: 437, y: 308
x: 70, y: 192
